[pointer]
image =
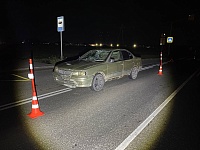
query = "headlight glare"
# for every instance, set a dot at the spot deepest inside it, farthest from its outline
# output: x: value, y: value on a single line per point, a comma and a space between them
x: 79, y: 73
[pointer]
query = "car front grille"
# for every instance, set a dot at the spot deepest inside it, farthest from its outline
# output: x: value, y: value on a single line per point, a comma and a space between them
x: 64, y: 72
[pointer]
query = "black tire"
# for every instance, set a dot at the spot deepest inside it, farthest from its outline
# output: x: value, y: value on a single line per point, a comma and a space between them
x: 98, y: 82
x: 134, y: 73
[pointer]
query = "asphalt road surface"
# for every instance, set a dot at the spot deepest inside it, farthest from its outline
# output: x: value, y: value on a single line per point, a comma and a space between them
x: 152, y: 112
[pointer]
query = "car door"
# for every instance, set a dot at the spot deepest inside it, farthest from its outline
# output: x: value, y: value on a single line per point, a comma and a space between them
x: 128, y: 62
x: 115, y: 65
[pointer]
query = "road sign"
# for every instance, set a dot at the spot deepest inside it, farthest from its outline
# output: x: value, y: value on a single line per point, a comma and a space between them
x: 60, y: 28
x: 60, y: 24
x: 169, y: 39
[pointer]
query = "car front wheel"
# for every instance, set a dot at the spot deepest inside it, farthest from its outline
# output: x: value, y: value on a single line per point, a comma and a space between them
x: 134, y: 73
x: 98, y: 82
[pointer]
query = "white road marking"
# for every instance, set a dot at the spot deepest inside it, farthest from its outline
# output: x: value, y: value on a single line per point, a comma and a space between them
x: 155, y: 65
x: 139, y: 129
x: 28, y: 100
x: 20, y: 77
x: 148, y: 67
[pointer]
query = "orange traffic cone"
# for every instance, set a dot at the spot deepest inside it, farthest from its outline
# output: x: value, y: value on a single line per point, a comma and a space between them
x: 160, y: 71
x: 35, y: 112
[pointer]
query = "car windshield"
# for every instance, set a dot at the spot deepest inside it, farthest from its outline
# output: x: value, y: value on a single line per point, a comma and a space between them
x: 95, y: 55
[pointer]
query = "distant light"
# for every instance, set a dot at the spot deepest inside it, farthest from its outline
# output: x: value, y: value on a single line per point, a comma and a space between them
x: 117, y: 45
x: 47, y: 43
x: 134, y: 45
x: 96, y: 44
x: 111, y: 45
x: 100, y: 44
x: 92, y: 44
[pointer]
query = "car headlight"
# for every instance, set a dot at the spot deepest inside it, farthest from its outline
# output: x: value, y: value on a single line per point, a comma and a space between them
x: 79, y: 73
x: 55, y: 69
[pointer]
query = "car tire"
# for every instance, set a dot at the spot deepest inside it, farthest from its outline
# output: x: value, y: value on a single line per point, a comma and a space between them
x: 134, y: 73
x: 98, y: 82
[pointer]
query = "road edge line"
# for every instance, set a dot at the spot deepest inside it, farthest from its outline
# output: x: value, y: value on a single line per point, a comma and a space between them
x: 139, y: 129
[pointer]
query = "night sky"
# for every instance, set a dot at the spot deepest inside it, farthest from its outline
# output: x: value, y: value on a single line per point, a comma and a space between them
x: 91, y: 21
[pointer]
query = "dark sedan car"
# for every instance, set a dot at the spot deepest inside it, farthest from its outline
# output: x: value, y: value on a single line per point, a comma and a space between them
x: 97, y: 66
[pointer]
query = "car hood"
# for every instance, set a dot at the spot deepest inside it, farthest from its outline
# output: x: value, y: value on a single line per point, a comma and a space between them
x: 78, y: 64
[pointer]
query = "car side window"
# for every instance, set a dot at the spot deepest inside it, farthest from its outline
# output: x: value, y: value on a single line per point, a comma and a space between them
x: 126, y: 55
x: 116, y: 56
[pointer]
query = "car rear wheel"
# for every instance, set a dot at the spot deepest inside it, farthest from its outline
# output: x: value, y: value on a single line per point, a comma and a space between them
x: 134, y: 73
x: 98, y: 82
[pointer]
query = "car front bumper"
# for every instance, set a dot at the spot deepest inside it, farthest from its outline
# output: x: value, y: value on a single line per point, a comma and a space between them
x: 71, y: 81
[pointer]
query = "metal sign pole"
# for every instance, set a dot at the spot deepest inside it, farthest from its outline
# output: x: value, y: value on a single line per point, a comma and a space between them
x: 60, y: 28
x: 61, y: 52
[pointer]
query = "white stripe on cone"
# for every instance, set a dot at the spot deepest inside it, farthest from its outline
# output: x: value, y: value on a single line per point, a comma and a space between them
x: 35, y: 106
x: 31, y: 66
x: 30, y: 76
